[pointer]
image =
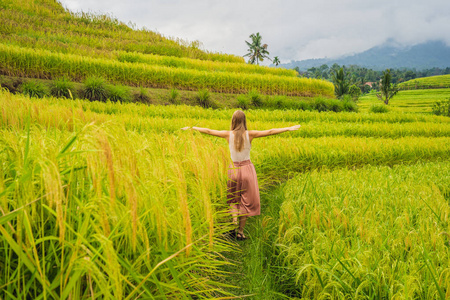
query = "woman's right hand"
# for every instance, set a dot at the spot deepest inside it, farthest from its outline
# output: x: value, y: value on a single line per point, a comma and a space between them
x: 185, y: 128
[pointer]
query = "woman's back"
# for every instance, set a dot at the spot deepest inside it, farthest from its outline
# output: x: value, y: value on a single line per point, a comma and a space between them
x: 242, y: 155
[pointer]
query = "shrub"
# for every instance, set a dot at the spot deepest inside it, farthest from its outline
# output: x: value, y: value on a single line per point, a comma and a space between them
x: 62, y: 88
x: 243, y: 101
x: 142, y: 96
x: 354, y: 92
x: 379, y: 108
x: 349, y: 106
x: 33, y: 88
x: 204, y: 99
x: 335, y: 105
x: 319, y: 104
x: 442, y: 108
x: 255, y: 98
x: 303, y: 105
x: 119, y: 93
x: 173, y: 95
x: 95, y: 89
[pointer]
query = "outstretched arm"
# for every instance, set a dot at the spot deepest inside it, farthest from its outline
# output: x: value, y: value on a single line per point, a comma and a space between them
x: 262, y: 133
x: 220, y: 133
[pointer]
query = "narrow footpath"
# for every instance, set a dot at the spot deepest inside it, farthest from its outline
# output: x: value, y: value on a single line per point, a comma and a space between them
x: 253, y: 271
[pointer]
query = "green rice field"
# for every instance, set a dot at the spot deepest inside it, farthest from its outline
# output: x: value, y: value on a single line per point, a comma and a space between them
x: 414, y: 101
x: 112, y: 200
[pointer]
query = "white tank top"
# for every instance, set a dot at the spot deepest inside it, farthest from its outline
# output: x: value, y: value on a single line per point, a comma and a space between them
x: 237, y: 156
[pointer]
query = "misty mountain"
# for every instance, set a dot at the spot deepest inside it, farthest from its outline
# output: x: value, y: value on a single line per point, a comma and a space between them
x: 422, y: 56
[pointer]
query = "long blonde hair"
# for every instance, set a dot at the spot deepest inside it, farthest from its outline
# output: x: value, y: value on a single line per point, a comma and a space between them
x: 238, y: 126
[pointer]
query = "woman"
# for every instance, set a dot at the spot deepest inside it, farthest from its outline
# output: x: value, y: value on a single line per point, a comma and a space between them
x: 243, y: 190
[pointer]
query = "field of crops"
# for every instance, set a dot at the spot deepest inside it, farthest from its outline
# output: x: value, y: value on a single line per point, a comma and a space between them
x: 41, y: 39
x: 373, y: 233
x: 45, y: 24
x: 26, y: 62
x: 416, y: 101
x: 432, y: 82
x: 115, y: 201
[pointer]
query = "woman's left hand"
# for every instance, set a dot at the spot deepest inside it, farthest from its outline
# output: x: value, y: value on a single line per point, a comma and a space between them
x: 295, y: 127
x: 185, y: 128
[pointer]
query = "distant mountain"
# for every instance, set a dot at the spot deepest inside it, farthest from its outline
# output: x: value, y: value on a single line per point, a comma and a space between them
x: 422, y: 56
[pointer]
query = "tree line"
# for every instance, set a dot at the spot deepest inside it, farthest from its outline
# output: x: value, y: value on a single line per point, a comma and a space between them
x: 367, y: 79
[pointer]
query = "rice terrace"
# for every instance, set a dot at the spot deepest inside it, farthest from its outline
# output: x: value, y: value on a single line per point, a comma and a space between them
x: 103, y: 196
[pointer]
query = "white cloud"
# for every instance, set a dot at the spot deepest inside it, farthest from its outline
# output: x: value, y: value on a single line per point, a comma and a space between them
x: 293, y: 29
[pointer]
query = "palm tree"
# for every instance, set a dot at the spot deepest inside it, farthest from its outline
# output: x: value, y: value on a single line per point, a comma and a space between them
x: 256, y: 51
x: 276, y: 61
x: 341, y: 84
x: 387, y: 90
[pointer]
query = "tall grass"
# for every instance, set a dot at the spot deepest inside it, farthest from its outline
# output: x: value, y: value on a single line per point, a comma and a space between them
x: 112, y: 200
x: 102, y: 212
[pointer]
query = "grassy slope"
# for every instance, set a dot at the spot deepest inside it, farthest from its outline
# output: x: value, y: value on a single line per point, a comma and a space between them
x: 440, y: 81
x: 46, y: 24
x: 84, y: 45
x: 415, y: 101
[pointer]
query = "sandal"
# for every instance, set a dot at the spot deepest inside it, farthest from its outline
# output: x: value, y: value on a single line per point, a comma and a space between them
x: 240, y: 237
x: 231, y: 234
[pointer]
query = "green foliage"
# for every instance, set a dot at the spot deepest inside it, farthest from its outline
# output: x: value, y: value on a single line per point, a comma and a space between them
x: 349, y: 106
x: 173, y: 96
x: 387, y: 89
x: 442, y: 108
x: 119, y: 93
x: 95, y: 89
x: 354, y: 92
x: 276, y: 61
x: 243, y: 101
x: 320, y: 104
x: 256, y: 51
x: 34, y: 88
x: 341, y: 83
x: 255, y: 98
x: 62, y: 88
x: 142, y: 96
x: 204, y: 98
x: 379, y: 108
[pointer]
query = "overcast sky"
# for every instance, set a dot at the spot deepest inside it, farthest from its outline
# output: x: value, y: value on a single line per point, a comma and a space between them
x: 293, y: 29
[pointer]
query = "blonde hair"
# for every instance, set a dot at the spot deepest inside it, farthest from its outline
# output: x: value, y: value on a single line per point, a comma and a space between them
x: 238, y: 126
